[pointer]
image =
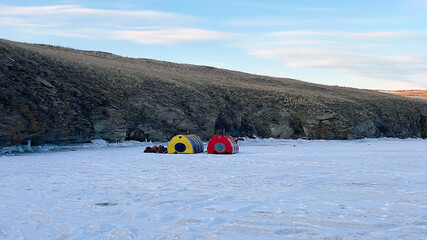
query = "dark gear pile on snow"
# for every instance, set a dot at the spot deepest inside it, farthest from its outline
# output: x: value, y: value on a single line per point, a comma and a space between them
x: 155, y: 149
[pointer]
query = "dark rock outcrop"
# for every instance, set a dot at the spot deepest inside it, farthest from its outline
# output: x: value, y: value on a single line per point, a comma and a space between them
x: 58, y: 95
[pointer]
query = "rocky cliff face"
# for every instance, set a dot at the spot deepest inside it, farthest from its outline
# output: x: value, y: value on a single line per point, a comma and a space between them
x: 58, y: 95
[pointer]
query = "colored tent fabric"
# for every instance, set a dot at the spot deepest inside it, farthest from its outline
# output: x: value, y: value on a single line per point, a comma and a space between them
x: 185, y: 144
x: 222, y: 144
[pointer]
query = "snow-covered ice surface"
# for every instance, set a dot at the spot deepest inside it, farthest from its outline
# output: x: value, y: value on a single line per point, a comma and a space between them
x: 272, y: 189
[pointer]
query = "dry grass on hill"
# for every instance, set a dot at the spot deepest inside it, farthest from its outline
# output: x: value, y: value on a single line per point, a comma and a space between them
x: 420, y: 94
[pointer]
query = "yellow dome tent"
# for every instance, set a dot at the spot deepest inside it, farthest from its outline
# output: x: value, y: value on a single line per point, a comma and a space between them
x: 185, y: 144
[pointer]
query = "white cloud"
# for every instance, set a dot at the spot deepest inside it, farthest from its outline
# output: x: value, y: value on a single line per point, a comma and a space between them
x: 72, y: 16
x: 363, y: 55
x: 376, y: 35
x: 19, y: 22
x: 169, y: 36
x: 39, y: 10
x: 145, y: 27
x: 268, y: 22
x: 77, y: 10
x: 405, y: 68
x: 352, y: 35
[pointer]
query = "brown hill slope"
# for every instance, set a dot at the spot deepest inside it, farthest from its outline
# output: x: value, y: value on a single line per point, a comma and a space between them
x: 420, y: 94
x: 58, y: 95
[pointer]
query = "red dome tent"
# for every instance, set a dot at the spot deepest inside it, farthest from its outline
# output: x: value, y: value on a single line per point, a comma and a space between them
x: 223, y: 144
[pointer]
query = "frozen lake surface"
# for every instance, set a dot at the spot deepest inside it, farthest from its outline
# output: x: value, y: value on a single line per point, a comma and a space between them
x: 272, y: 189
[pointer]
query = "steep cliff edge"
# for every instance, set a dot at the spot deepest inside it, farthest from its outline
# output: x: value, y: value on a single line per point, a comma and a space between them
x: 57, y: 95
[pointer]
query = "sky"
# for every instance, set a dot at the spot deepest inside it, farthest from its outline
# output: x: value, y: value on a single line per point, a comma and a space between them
x: 379, y: 44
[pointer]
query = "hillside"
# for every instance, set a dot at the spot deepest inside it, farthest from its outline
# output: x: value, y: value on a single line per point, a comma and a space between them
x: 420, y: 94
x: 57, y: 95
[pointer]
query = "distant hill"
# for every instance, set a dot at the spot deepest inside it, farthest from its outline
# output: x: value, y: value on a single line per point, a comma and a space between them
x: 59, y: 95
x: 420, y: 94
